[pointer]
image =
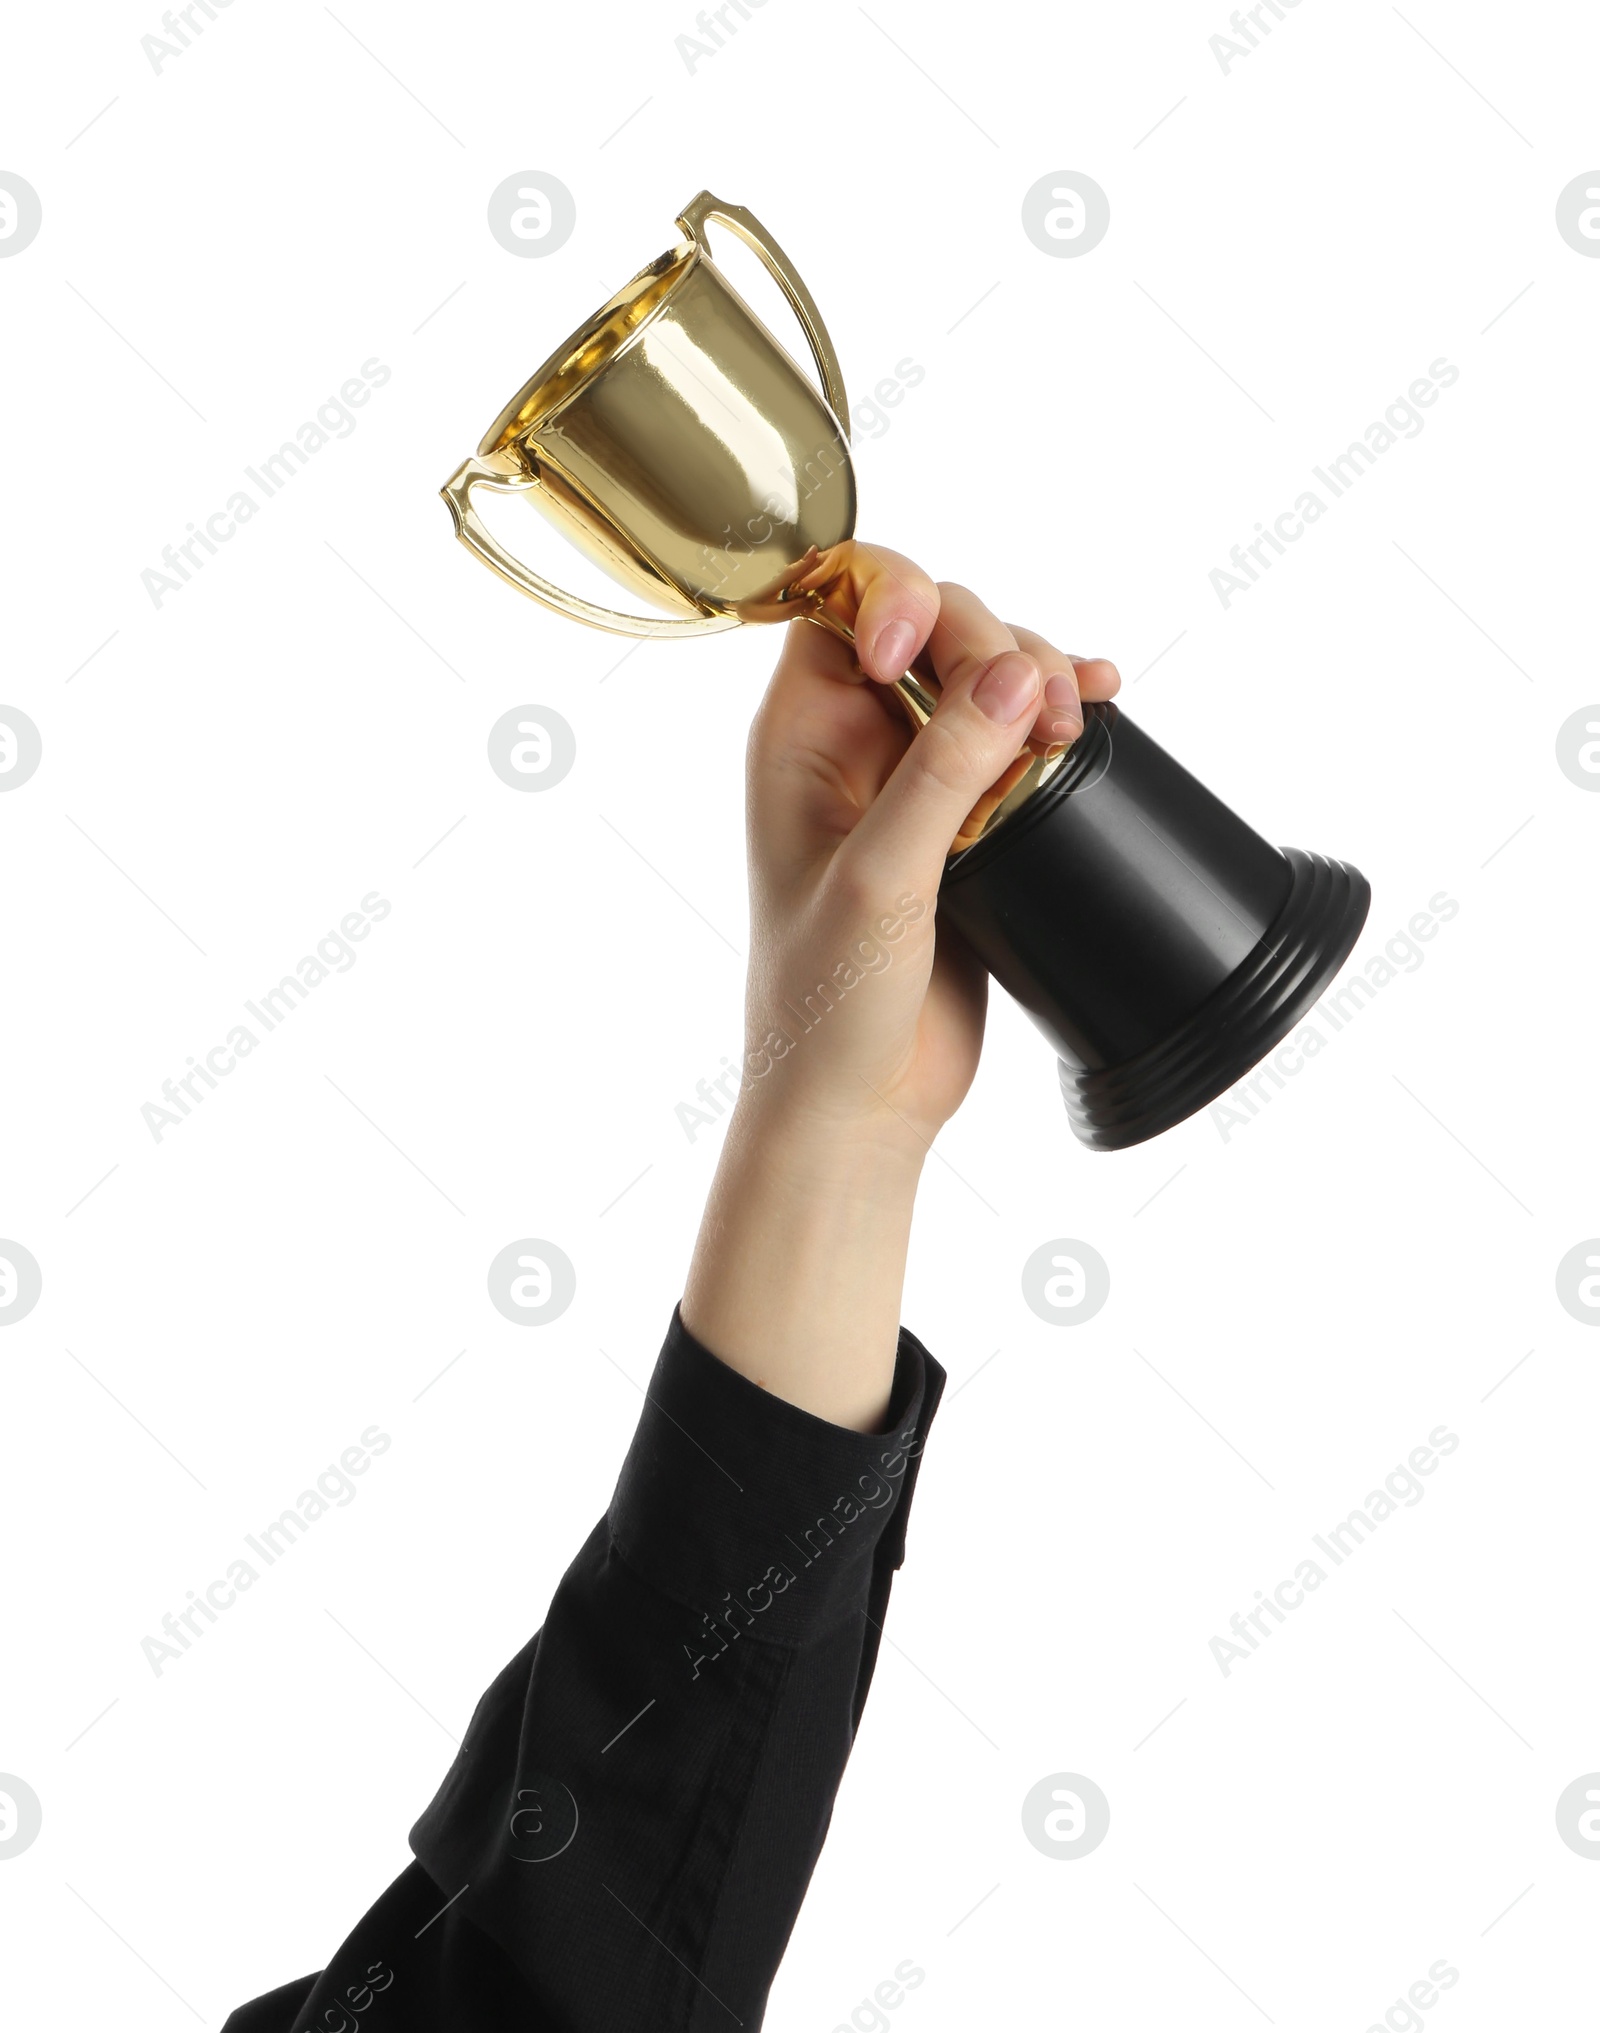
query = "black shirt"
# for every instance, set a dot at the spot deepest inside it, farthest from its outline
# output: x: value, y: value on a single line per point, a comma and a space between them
x: 630, y: 1825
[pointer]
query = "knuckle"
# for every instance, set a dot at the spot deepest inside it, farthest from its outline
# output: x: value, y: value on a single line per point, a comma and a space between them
x: 1044, y: 652
x: 900, y: 571
x: 867, y: 886
x: 853, y: 887
x: 964, y: 666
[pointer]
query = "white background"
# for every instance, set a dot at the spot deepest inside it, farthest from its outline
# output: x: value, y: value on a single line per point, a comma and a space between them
x: 227, y: 775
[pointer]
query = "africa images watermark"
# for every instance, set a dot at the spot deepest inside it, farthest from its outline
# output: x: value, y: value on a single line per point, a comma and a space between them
x: 1402, y: 954
x: 358, y: 1998
x: 1228, y: 50
x: 334, y: 419
x: 871, y: 2015
x: 1402, y: 419
x: 1401, y: 1486
x: 1405, y: 2014
x: 182, y: 26
x: 335, y: 953
x: 874, y: 1491
x: 867, y: 957
x: 695, y: 49
x: 867, y: 414
x: 269, y: 1545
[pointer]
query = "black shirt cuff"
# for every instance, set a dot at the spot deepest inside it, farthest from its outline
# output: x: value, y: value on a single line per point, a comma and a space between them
x: 758, y: 1515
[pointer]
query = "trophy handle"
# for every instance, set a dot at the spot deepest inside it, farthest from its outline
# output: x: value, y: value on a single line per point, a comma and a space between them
x: 755, y: 236
x: 478, y: 538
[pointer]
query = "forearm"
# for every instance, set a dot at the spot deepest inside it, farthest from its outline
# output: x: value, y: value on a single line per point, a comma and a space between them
x: 797, y: 1275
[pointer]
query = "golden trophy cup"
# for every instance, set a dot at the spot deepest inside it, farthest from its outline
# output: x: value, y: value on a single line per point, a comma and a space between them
x: 1160, y: 944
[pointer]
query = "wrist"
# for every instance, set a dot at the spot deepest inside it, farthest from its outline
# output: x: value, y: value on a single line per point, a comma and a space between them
x: 875, y: 1158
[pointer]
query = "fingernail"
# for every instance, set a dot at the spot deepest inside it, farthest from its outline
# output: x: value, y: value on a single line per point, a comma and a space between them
x: 1008, y: 687
x: 1065, y: 723
x: 894, y: 646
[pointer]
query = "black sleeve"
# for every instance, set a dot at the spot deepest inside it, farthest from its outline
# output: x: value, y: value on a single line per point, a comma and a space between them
x: 626, y: 1834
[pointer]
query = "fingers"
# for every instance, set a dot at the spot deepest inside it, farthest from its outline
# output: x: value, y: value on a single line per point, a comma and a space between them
x: 1003, y: 690
x: 966, y: 635
x: 897, y: 610
x: 1098, y: 677
x: 966, y: 630
x: 1061, y: 712
x: 982, y: 722
x: 821, y: 748
x: 1069, y: 683
x: 891, y: 601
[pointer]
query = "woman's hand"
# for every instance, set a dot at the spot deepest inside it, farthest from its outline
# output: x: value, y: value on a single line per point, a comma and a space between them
x: 863, y: 1020
x: 859, y: 1018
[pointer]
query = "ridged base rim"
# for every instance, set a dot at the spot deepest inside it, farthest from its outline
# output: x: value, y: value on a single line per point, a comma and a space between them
x: 1255, y: 1008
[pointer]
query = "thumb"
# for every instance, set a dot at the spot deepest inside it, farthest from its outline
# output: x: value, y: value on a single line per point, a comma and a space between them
x: 980, y: 726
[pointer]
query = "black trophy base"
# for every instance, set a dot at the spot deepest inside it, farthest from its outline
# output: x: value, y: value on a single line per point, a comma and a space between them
x: 1114, y: 1107
x: 1161, y: 944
